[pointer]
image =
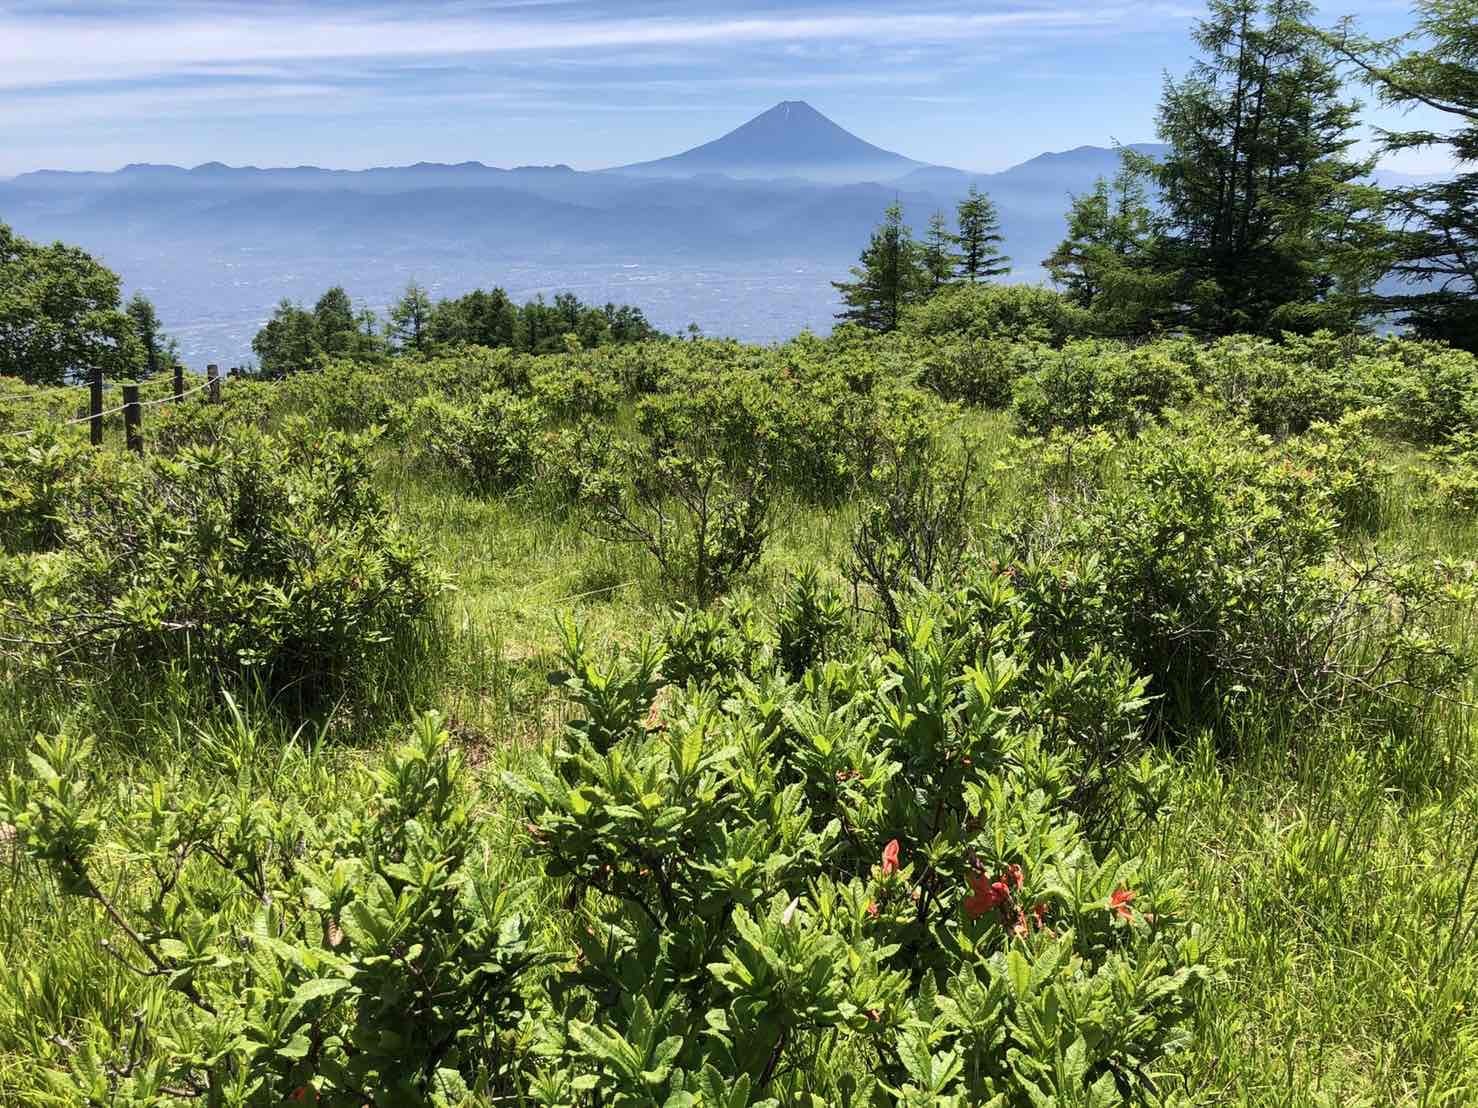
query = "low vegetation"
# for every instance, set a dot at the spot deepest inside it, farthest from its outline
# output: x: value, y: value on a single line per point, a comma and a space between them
x: 942, y: 717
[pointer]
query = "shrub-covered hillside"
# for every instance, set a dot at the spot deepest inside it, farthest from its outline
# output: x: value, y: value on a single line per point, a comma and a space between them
x: 969, y: 715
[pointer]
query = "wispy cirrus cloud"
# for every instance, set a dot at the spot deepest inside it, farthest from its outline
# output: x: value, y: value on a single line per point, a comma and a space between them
x: 37, y: 48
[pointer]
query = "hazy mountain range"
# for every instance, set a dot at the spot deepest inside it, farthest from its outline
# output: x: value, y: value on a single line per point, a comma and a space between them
x: 742, y: 234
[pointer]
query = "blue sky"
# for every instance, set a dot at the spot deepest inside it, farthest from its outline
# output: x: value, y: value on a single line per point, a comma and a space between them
x: 983, y: 85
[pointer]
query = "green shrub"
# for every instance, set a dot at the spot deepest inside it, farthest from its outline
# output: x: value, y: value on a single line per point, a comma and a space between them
x: 861, y: 890
x: 1208, y: 566
x: 296, y: 939
x: 1429, y: 391
x: 979, y: 372
x: 812, y: 625
x: 1341, y: 457
x: 702, y: 519
x: 1024, y: 313
x: 574, y: 388
x: 1450, y: 481
x: 1096, y: 384
x: 915, y: 523
x: 492, y: 446
x: 262, y: 559
x: 1284, y: 388
x: 42, y: 477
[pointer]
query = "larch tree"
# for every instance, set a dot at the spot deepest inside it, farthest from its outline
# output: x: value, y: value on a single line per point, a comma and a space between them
x: 979, y: 240
x: 145, y: 321
x: 410, y: 319
x: 1106, y: 263
x: 888, y: 279
x: 938, y: 255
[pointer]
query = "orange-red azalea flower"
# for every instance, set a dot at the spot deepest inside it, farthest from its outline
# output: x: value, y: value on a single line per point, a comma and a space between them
x: 1120, y: 902
x: 985, y: 894
x: 890, y: 858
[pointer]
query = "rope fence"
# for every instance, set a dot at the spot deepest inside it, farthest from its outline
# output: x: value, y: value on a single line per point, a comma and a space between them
x: 132, y: 406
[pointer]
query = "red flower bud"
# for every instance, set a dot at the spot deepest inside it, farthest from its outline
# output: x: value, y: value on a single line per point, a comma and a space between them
x: 890, y: 858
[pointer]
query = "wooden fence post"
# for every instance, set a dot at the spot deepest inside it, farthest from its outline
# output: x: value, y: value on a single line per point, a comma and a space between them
x: 95, y: 408
x: 213, y: 375
x: 179, y: 381
x: 133, y: 416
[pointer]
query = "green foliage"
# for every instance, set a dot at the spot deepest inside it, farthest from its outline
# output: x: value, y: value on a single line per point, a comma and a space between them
x: 1267, y: 225
x: 41, y: 477
x: 980, y: 372
x: 350, y: 952
x: 1431, y: 392
x: 915, y: 522
x: 812, y: 625
x: 1105, y: 264
x: 258, y: 560
x: 889, y: 277
x: 60, y: 314
x: 1092, y: 384
x: 979, y: 240
x: 1450, y: 481
x: 1434, y: 242
x: 703, y: 519
x: 876, y: 868
x: 1206, y: 565
x: 493, y: 446
x: 983, y: 311
x: 1283, y: 388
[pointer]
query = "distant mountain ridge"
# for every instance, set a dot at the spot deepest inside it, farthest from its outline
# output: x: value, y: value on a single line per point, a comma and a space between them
x: 742, y: 234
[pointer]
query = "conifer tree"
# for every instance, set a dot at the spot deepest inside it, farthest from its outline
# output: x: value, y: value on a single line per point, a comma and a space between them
x: 410, y: 319
x: 938, y: 255
x: 1434, y: 247
x: 980, y: 239
x: 1106, y: 263
x: 1269, y: 222
x: 140, y: 312
x: 889, y: 278
x: 333, y: 318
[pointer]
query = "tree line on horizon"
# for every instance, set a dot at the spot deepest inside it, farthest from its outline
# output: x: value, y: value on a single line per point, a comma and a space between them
x: 297, y: 338
x: 1259, y: 218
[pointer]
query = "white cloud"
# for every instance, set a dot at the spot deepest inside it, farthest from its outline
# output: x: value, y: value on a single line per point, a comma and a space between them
x: 36, y: 51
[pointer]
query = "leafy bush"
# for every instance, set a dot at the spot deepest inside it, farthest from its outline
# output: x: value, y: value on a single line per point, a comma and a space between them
x: 862, y: 890
x: 574, y: 389
x: 812, y: 626
x: 1341, y: 458
x: 1207, y: 565
x: 1283, y: 388
x: 915, y: 523
x: 296, y: 947
x: 976, y: 371
x: 41, y: 477
x: 1095, y: 384
x: 1025, y: 313
x: 267, y: 559
x: 703, y: 520
x: 1450, y: 479
x: 1430, y: 392
x: 493, y: 446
